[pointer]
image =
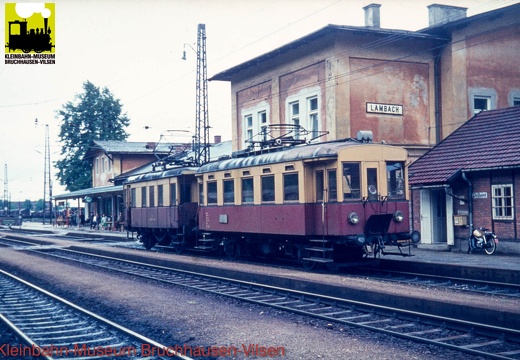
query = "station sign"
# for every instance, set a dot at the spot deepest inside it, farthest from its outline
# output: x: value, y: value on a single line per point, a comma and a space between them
x: 389, y: 109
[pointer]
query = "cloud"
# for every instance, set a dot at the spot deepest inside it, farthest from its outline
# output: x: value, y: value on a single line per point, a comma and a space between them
x: 26, y: 10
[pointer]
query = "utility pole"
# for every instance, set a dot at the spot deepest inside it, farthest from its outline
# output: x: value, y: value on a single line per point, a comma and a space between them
x: 201, y: 117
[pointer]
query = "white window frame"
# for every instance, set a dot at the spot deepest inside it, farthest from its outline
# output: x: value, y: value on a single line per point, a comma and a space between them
x: 309, y: 118
x: 490, y: 95
x: 487, y: 107
x: 253, y: 120
x: 501, y: 202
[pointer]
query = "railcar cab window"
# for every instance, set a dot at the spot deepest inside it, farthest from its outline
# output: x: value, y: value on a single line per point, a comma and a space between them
x: 212, y: 192
x: 247, y: 190
x: 229, y: 191
x: 173, y: 194
x: 268, y: 188
x: 143, y: 196
x: 290, y: 187
x: 372, y: 183
x: 395, y: 177
x: 333, y: 185
x: 351, y: 181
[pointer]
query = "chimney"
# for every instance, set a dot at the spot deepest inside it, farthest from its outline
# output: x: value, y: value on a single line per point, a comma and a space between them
x: 372, y: 18
x: 442, y: 14
x: 217, y: 139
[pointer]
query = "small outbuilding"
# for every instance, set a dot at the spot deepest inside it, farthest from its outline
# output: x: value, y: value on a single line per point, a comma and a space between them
x: 470, y: 179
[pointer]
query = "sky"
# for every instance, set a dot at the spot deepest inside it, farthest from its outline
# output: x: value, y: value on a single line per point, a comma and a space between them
x: 134, y: 48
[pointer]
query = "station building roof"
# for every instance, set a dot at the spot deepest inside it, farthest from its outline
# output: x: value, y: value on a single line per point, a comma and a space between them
x: 487, y: 141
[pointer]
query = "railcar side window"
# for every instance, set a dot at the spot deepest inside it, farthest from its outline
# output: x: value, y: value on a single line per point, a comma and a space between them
x: 267, y: 188
x: 173, y: 194
x: 229, y: 191
x: 133, y: 197
x: 351, y: 180
x: 290, y: 187
x: 160, y: 195
x: 143, y: 196
x: 247, y: 190
x: 201, y: 193
x: 212, y: 192
x: 395, y: 178
x: 319, y: 186
x: 333, y: 185
x: 152, y: 196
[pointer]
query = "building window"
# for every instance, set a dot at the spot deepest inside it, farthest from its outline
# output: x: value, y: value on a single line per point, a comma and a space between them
x: 268, y: 188
x: 97, y: 165
x: 290, y: 187
x: 229, y: 192
x: 333, y: 185
x: 247, y: 190
x: 351, y: 181
x: 516, y: 101
x: 312, y: 108
x: 173, y: 194
x: 143, y: 196
x: 152, y: 196
x: 481, y: 99
x: 481, y: 103
x: 303, y: 111
x: 294, y: 118
x: 503, y: 207
x: 395, y: 179
x: 160, y: 195
x: 254, y: 122
x: 248, y: 121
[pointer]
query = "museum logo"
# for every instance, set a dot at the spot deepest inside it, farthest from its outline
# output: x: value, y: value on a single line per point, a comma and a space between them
x: 30, y: 33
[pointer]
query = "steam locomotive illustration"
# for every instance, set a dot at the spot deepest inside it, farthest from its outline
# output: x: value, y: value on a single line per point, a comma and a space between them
x: 326, y: 203
x: 20, y: 38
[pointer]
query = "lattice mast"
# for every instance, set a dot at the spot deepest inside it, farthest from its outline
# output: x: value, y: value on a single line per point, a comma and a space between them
x: 6, y: 190
x: 201, y: 142
x: 47, y: 182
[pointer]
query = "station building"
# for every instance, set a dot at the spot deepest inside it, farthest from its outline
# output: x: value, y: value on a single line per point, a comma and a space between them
x: 409, y: 88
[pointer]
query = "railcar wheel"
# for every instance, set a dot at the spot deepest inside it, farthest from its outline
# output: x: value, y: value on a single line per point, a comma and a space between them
x: 232, y: 249
x: 148, y: 241
x: 303, y: 254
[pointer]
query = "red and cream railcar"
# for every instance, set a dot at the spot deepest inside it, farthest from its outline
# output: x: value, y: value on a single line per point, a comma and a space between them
x: 326, y: 202
x: 161, y: 206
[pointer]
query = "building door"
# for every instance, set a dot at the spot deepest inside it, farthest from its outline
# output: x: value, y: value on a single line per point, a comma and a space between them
x: 436, y: 209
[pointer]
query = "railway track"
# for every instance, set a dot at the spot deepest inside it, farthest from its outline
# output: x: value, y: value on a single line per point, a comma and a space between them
x: 50, y: 327
x: 453, y: 283
x: 470, y: 337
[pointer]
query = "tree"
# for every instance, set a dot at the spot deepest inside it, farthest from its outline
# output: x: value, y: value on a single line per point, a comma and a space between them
x: 95, y: 115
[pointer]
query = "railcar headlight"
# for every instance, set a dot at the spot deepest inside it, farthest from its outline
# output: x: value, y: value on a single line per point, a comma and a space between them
x: 353, y: 218
x: 398, y: 216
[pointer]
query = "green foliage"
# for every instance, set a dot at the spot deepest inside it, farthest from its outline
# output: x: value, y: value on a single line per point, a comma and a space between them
x: 95, y: 115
